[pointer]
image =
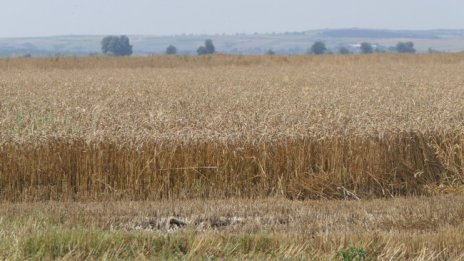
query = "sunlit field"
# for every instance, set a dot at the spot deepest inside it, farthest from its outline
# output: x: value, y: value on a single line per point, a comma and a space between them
x: 91, y: 148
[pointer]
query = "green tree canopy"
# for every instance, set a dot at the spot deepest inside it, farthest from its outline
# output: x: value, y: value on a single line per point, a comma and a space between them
x: 171, y: 50
x: 202, y: 50
x: 344, y: 50
x: 405, y: 47
x: 210, y: 46
x: 366, y: 48
x: 318, y: 48
x: 116, y: 45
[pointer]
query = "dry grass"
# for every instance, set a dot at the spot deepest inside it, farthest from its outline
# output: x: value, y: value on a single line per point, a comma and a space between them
x: 398, y: 229
x: 225, y: 126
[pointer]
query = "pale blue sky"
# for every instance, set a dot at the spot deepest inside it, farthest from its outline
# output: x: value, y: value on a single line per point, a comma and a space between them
x: 168, y: 17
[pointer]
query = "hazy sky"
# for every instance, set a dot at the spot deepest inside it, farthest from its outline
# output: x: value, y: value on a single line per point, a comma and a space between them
x: 167, y: 17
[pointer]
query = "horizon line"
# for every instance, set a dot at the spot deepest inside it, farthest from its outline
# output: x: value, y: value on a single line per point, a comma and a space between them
x: 232, y: 34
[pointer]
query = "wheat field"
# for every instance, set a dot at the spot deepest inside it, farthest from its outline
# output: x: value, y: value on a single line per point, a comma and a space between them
x: 231, y: 126
x: 232, y: 157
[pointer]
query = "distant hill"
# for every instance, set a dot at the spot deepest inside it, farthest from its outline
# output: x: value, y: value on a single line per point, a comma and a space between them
x: 379, y: 34
x: 290, y: 43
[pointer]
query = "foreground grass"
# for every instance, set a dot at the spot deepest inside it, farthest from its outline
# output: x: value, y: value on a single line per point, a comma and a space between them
x: 399, y: 229
x: 54, y: 242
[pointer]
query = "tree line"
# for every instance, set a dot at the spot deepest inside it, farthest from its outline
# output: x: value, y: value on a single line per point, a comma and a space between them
x: 319, y: 48
x: 120, y: 46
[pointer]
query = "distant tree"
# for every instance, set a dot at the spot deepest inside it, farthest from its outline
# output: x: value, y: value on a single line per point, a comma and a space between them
x: 202, y: 50
x: 366, y: 48
x: 318, y: 48
x: 405, y: 47
x: 431, y: 50
x: 344, y: 50
x: 171, y: 50
x: 106, y: 44
x: 270, y: 52
x: 116, y: 45
x: 210, y: 46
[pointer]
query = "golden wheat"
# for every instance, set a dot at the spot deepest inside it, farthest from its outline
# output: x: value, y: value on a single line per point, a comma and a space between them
x: 231, y: 126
